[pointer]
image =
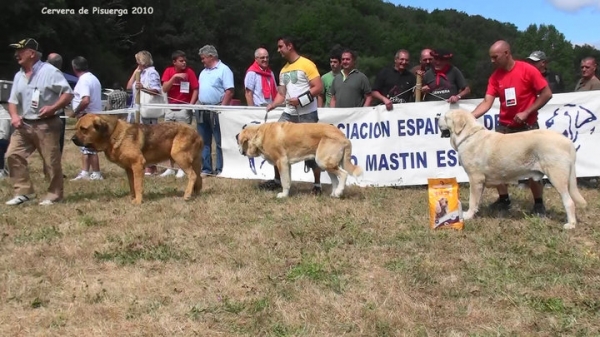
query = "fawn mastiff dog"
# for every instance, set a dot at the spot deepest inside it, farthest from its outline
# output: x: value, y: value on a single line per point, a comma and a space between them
x: 133, y: 146
x: 491, y: 158
x: 283, y: 144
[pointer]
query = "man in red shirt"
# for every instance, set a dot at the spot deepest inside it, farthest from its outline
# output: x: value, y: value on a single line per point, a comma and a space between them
x: 181, y: 85
x: 522, y: 91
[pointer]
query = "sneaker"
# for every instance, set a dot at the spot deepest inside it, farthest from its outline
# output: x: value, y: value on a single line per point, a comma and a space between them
x: 539, y: 210
x: 47, y: 202
x: 269, y: 185
x: 500, y: 205
x: 180, y: 174
x: 168, y: 172
x: 20, y: 199
x: 96, y: 176
x: 82, y: 176
x: 316, y: 190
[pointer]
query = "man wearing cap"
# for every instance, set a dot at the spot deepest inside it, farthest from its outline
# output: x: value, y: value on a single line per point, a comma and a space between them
x: 444, y: 81
x: 39, y: 91
x: 539, y: 60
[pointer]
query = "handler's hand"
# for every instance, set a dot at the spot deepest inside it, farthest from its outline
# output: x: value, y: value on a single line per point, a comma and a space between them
x: 47, y: 111
x: 521, y: 117
x: 16, y: 122
x: 388, y: 104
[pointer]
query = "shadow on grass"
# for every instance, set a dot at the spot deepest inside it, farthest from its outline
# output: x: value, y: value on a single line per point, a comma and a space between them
x: 108, y: 194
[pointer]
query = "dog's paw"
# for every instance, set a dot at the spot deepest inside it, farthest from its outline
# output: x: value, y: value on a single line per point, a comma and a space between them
x: 469, y: 215
x: 569, y: 226
x: 136, y: 202
x: 282, y: 195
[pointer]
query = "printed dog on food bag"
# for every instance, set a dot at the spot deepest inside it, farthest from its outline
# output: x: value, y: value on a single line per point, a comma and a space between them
x: 133, y: 146
x: 491, y: 158
x: 284, y: 143
x: 441, y: 208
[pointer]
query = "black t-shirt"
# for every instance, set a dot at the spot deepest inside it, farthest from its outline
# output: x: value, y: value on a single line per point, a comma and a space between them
x: 554, y: 81
x: 451, y: 85
x: 395, y: 85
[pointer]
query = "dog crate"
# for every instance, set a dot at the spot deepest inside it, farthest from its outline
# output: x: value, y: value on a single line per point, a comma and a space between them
x: 5, y: 87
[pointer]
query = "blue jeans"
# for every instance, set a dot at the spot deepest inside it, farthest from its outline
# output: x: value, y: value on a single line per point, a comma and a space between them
x: 208, y: 126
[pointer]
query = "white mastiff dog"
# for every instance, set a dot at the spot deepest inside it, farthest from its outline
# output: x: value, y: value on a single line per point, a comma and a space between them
x: 491, y: 158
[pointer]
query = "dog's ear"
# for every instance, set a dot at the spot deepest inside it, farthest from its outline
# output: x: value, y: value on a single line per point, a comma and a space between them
x: 100, y: 125
x: 458, y: 121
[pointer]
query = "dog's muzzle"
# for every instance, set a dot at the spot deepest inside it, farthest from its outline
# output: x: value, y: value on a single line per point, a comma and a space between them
x: 444, y: 133
x: 77, y: 141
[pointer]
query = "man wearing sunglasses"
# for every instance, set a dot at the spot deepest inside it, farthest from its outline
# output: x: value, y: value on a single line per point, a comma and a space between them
x: 260, y: 85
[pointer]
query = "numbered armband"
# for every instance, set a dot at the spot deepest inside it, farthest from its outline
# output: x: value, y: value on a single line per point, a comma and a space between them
x: 305, y: 99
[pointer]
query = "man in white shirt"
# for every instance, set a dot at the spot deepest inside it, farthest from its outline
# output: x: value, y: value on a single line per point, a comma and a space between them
x: 87, y: 99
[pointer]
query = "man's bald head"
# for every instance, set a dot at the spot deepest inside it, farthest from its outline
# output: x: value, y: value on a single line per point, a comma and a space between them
x: 500, y: 46
x: 425, y: 53
x: 261, y: 52
x: 501, y: 56
x: 55, y: 60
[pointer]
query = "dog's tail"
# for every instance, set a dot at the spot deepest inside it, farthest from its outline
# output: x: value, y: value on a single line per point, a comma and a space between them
x: 347, y: 165
x: 573, y: 190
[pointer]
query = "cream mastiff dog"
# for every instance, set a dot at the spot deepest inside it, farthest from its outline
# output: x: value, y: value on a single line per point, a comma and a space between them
x: 285, y: 143
x: 490, y: 158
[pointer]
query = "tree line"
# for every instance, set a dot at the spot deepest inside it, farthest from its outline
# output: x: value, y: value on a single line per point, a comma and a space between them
x: 374, y: 28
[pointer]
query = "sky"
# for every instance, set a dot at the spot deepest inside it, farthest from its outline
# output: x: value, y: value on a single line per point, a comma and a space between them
x: 578, y: 20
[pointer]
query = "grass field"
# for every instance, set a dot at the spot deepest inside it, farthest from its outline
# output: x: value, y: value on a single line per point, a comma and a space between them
x: 236, y: 261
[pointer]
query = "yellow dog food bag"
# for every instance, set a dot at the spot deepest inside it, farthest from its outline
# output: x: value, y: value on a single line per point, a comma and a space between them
x: 445, y: 209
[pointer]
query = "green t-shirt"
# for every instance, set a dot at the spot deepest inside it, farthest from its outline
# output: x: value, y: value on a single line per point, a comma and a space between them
x: 327, y: 82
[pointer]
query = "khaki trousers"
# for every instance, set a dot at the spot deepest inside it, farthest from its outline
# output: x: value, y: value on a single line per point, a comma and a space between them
x: 44, y: 136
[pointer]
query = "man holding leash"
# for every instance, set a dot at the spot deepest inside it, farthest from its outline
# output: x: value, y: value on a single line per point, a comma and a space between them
x: 522, y: 91
x: 299, y: 86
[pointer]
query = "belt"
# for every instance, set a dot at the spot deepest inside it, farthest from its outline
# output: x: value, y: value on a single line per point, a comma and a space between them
x: 522, y: 127
x: 40, y: 119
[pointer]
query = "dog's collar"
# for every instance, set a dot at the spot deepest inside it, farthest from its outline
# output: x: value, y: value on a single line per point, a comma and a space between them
x: 467, y: 137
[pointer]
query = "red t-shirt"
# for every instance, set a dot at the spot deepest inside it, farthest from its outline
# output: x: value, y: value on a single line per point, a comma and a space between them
x: 526, y: 81
x: 175, y: 95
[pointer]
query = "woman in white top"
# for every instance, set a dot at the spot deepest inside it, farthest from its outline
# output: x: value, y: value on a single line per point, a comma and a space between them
x: 149, y: 86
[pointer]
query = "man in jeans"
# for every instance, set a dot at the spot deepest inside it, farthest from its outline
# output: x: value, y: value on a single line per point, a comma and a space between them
x: 299, y: 86
x: 216, y: 88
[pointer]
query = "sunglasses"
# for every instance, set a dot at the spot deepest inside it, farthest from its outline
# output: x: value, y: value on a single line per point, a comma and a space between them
x: 585, y: 67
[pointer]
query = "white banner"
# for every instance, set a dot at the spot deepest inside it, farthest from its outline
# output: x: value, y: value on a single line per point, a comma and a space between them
x: 403, y: 146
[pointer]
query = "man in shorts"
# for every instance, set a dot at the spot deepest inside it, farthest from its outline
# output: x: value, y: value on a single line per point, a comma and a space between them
x: 87, y: 99
x: 299, y: 86
x: 522, y: 91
